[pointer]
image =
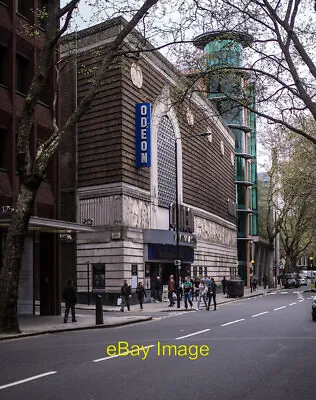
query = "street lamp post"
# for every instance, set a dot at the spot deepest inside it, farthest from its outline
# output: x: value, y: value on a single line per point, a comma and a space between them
x: 178, y: 261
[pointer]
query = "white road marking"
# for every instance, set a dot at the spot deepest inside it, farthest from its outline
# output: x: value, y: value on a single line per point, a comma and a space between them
x: 168, y: 316
x: 292, y: 304
x: 32, y: 378
x: 233, y: 322
x: 279, y: 308
x: 192, y: 334
x: 119, y: 355
x: 257, y: 315
x: 284, y: 292
x: 300, y: 301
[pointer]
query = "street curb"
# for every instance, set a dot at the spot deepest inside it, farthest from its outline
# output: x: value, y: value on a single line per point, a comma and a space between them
x: 80, y: 328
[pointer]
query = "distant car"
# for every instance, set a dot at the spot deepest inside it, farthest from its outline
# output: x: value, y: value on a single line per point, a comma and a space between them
x: 291, y: 283
x: 314, y: 309
x: 303, y: 280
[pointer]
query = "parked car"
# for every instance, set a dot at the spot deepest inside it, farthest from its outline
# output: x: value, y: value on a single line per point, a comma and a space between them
x: 291, y: 283
x: 303, y: 280
x: 314, y: 309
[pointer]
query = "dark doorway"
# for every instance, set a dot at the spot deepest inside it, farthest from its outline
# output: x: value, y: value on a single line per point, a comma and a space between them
x: 49, y: 288
x: 164, y: 270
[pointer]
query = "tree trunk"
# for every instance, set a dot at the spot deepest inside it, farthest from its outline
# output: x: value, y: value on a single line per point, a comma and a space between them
x: 271, y: 264
x: 12, y: 258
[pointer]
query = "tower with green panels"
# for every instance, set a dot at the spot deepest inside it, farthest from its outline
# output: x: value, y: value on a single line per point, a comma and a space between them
x: 223, y: 53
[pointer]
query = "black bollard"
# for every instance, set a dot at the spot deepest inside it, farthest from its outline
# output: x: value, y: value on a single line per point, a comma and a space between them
x: 98, y: 310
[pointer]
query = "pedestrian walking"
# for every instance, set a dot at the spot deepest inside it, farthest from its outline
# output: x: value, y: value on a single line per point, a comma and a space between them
x: 171, y: 290
x: 212, y: 295
x: 126, y: 294
x: 279, y: 280
x: 158, y: 289
x: 187, y: 293
x: 192, y: 288
x: 251, y: 284
x: 207, y: 280
x: 203, y: 289
x: 224, y: 285
x: 141, y: 294
x: 264, y: 281
x: 180, y: 288
x: 70, y: 297
x: 196, y: 288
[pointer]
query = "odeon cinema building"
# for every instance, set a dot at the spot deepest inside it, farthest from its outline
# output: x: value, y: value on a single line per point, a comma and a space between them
x: 142, y: 149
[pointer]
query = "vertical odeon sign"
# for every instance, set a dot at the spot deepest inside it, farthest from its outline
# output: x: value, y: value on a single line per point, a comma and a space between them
x: 142, y: 135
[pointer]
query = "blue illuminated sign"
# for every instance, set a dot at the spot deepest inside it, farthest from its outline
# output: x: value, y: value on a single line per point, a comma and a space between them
x: 143, y: 135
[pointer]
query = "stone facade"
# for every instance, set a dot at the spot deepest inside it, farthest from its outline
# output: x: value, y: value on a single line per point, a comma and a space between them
x: 122, y: 202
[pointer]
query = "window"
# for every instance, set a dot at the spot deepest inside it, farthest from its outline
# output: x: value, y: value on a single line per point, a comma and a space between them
x: 3, y: 65
x: 98, y: 277
x: 166, y: 163
x: 2, y: 241
x: 22, y: 65
x: 21, y: 7
x: 3, y: 148
x: 42, y: 14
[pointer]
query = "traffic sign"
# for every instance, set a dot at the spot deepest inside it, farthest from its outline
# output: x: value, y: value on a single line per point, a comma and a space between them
x: 177, y: 263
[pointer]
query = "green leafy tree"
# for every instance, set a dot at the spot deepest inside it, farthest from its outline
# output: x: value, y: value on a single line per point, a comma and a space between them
x: 298, y: 197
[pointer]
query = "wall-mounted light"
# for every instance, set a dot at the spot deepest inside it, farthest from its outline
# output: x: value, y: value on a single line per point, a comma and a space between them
x: 66, y: 237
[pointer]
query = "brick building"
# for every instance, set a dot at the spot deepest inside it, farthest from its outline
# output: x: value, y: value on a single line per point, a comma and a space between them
x: 123, y: 185
x: 40, y: 278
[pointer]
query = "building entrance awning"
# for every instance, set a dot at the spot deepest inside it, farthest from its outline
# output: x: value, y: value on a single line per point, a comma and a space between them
x: 49, y: 225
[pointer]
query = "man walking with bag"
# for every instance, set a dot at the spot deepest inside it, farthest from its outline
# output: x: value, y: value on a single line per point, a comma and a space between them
x: 126, y: 294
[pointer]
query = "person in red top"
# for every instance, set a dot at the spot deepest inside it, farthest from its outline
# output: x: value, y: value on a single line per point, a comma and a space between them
x: 171, y: 290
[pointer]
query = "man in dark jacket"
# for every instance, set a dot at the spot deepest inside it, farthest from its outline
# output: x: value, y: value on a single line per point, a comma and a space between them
x: 171, y: 291
x: 158, y: 289
x: 126, y: 294
x: 70, y: 297
x: 224, y: 285
x: 212, y: 295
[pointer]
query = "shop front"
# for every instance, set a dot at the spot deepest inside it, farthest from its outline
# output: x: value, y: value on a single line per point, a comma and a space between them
x: 160, y: 253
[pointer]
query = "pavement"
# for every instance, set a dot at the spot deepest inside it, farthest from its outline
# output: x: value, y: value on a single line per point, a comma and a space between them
x: 31, y: 325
